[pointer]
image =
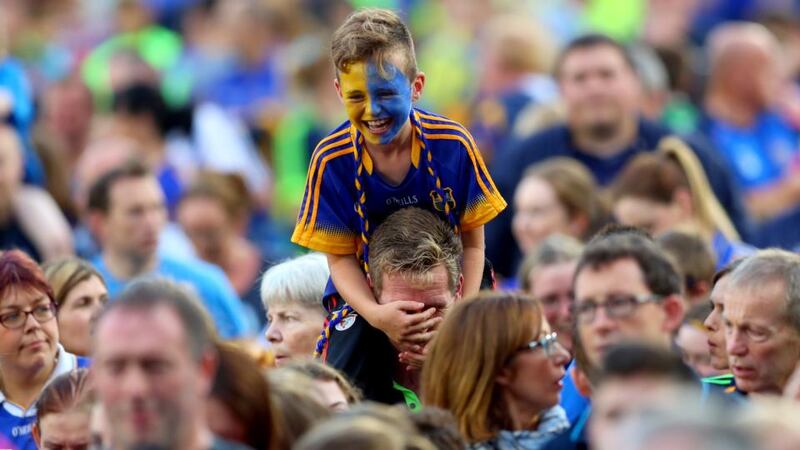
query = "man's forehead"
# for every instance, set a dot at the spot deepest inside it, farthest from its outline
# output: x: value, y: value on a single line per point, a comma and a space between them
x: 139, y: 328
x: 602, y: 53
x: 747, y: 301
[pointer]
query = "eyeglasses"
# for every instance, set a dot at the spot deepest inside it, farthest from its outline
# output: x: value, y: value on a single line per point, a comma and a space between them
x: 549, y: 344
x: 16, y: 319
x: 616, y: 306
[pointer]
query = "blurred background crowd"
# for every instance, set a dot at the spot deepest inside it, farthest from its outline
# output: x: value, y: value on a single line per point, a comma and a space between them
x: 174, y: 136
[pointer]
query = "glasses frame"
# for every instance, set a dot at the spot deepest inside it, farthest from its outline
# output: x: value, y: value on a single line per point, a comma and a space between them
x: 548, y: 343
x: 637, y: 300
x: 29, y: 312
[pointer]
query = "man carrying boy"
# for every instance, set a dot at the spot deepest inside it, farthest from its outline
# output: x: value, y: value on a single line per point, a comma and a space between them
x: 387, y: 156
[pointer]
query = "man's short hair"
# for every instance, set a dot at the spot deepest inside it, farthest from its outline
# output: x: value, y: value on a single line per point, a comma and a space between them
x: 145, y: 294
x: 377, y: 34
x: 592, y: 40
x: 100, y: 192
x: 555, y: 249
x: 412, y: 241
x: 691, y: 255
x: 725, y: 271
x: 300, y: 280
x: 772, y: 265
x: 658, y: 271
x: 635, y: 359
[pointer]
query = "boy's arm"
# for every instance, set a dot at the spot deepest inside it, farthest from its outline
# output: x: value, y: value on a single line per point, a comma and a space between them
x: 474, y: 250
x: 396, y: 319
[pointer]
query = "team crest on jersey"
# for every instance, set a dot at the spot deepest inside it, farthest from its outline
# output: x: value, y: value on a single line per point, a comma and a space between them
x: 437, y: 199
x: 346, y: 322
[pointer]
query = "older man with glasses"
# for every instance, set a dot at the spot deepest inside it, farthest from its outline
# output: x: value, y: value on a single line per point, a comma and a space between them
x: 626, y: 290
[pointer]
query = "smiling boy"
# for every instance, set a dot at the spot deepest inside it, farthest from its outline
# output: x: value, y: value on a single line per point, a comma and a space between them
x: 387, y: 156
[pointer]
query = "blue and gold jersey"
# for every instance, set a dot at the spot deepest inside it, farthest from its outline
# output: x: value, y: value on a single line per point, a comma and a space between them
x: 329, y: 218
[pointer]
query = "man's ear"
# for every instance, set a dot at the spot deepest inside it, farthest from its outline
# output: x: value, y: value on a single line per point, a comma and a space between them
x: 95, y: 220
x: 370, y: 283
x: 674, y: 309
x: 504, y: 377
x: 582, y: 383
x: 417, y: 86
x: 208, y: 365
x: 37, y: 435
x: 460, y: 287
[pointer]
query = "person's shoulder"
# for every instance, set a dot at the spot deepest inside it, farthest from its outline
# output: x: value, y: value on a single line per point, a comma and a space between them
x: 551, y: 141
x: 195, y: 270
x: 438, y: 127
x: 332, y: 148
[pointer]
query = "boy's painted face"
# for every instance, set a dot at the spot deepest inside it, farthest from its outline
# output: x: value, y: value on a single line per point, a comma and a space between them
x: 377, y: 106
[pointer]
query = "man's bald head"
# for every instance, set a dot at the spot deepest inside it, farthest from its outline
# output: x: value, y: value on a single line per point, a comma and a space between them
x: 745, y: 63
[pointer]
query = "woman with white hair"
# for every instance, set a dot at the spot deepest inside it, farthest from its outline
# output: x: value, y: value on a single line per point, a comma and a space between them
x: 292, y: 295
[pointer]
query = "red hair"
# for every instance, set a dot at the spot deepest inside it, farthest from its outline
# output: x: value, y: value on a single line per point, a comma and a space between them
x: 18, y: 271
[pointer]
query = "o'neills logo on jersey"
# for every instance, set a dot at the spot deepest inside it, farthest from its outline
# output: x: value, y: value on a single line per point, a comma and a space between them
x: 402, y: 201
x: 437, y: 199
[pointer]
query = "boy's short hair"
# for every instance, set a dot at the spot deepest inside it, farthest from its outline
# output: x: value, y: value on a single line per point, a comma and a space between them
x: 373, y: 34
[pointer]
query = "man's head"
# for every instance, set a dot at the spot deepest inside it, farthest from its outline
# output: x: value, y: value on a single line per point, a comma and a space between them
x: 10, y: 165
x: 599, y: 86
x: 693, y: 258
x: 635, y: 380
x: 745, y: 64
x: 292, y: 294
x: 762, y: 321
x: 713, y: 323
x: 127, y: 211
x: 415, y: 256
x: 547, y: 275
x: 154, y: 363
x: 376, y: 73
x: 626, y: 289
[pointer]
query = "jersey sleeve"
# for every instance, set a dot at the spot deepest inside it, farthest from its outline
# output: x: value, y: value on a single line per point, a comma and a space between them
x: 483, y: 200
x: 327, y: 221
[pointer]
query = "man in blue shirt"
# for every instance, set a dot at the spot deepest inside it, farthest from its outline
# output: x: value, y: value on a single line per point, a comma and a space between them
x: 742, y: 120
x: 602, y: 96
x: 626, y: 290
x: 127, y: 212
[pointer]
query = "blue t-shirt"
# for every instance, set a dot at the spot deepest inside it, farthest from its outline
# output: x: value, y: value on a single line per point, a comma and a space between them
x: 761, y: 155
x: 209, y: 282
x: 13, y: 80
x: 573, y: 402
x: 328, y: 221
x: 15, y: 422
x: 557, y: 141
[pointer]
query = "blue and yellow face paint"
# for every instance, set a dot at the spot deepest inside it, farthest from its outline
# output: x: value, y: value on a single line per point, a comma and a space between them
x: 378, y: 107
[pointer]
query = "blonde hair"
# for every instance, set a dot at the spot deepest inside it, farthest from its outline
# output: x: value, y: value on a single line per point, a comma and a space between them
x: 475, y: 341
x: 64, y: 274
x: 521, y: 44
x: 656, y: 177
x: 412, y: 241
x: 575, y: 188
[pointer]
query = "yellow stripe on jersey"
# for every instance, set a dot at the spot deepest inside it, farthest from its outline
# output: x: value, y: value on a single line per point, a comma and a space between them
x: 311, y: 170
x: 335, y: 242
x: 324, y: 162
x: 473, y: 149
x: 494, y: 199
x: 493, y: 196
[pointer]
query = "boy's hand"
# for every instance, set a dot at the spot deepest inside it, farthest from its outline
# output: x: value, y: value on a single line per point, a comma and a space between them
x: 399, y: 319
